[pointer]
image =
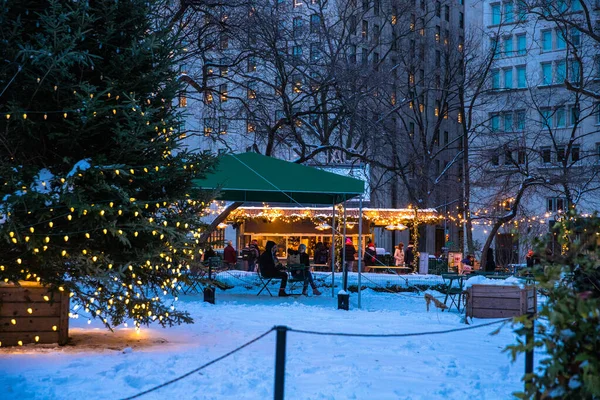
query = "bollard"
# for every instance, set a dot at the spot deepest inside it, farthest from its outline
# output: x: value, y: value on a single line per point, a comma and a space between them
x: 209, y: 295
x: 280, y: 362
x: 343, y: 301
x: 529, y: 337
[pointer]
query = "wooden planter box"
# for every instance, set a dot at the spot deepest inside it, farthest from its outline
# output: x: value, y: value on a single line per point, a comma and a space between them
x: 30, y: 313
x: 495, y: 301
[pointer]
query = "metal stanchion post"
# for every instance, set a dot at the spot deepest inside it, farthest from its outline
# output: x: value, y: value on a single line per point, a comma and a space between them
x: 280, y: 362
x: 529, y: 354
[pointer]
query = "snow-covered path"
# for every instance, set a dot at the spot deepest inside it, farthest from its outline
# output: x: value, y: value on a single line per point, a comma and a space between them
x: 104, y: 365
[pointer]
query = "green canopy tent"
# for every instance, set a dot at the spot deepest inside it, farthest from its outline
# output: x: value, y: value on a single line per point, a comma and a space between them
x: 252, y: 177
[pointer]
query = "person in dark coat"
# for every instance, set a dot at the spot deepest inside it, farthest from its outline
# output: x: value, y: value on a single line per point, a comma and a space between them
x: 208, y: 253
x: 305, y: 273
x: 490, y: 264
x: 230, y: 255
x: 370, y: 256
x: 409, y: 256
x: 350, y: 252
x: 271, y: 268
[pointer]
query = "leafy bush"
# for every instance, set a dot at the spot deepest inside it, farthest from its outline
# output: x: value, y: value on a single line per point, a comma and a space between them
x: 568, y: 324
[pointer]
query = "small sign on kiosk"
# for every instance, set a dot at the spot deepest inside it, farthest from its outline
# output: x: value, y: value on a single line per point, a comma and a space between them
x: 423, y: 263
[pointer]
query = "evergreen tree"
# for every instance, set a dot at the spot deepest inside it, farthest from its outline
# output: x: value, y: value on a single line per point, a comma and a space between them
x: 96, y: 194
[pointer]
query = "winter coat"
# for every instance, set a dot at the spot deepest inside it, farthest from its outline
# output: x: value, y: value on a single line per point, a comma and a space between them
x: 208, y: 254
x: 268, y: 261
x: 399, y: 257
x: 230, y: 255
x: 370, y: 256
x: 304, y: 260
x: 409, y: 255
x: 350, y: 252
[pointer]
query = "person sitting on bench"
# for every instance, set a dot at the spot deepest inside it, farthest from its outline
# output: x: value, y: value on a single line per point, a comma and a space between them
x: 304, y: 273
x: 271, y: 268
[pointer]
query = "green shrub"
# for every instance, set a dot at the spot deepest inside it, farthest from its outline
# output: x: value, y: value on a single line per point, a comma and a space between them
x: 568, y: 324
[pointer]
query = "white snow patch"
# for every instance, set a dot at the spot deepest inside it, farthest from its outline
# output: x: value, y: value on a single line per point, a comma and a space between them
x: 81, y: 165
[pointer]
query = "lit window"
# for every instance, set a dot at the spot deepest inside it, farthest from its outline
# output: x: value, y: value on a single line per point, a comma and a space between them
x: 182, y: 99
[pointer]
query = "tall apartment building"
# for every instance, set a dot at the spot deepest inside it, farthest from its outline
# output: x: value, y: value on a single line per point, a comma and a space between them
x: 367, y: 86
x: 534, y: 130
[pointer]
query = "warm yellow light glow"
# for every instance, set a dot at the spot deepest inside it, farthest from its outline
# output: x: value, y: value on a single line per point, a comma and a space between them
x: 30, y: 311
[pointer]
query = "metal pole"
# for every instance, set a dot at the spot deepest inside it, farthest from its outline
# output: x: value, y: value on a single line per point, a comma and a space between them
x: 345, y: 270
x: 280, y: 362
x: 360, y: 222
x: 333, y: 250
x: 529, y: 353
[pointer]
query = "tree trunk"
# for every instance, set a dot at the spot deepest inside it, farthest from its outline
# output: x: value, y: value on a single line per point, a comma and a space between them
x: 220, y: 218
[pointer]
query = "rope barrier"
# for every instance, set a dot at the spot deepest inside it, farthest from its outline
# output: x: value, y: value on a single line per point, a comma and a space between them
x: 398, y: 334
x: 201, y: 367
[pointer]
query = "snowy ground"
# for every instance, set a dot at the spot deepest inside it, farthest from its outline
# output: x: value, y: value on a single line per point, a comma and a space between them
x: 104, y: 365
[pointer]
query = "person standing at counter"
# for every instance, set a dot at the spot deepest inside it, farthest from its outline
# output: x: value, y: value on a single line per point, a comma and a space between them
x: 399, y: 254
x: 230, y: 255
x: 409, y: 256
x: 350, y: 252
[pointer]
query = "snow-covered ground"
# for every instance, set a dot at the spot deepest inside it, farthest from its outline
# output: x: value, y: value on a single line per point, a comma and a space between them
x: 105, y: 365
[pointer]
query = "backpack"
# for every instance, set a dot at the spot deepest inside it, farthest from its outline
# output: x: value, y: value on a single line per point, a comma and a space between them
x: 246, y: 253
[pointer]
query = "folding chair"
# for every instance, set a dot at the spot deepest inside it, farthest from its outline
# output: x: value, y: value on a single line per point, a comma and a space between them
x: 452, y: 292
x: 292, y: 280
x: 196, y: 278
x: 264, y: 281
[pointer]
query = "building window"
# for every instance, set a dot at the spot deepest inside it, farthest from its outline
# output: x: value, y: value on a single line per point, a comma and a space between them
x: 496, y: 16
x: 352, y: 57
x: 521, y: 10
x: 297, y: 27
x: 508, y: 158
x: 521, y: 44
x: 364, y: 57
x: 575, y: 37
x: 209, y: 125
x: 223, y: 67
x: 438, y: 32
x: 560, y: 40
x: 574, y: 115
x: 597, y: 113
x: 495, y: 123
x: 223, y: 125
x: 376, y: 33
x: 315, y: 24
x: 520, y: 115
x: 547, y: 40
x: 223, y: 92
x: 297, y: 51
x: 574, y: 70
x: 546, y: 154
x: 508, y: 13
x: 555, y: 204
x: 546, y: 118
x: 508, y: 78
x: 297, y: 3
x: 438, y: 8
x: 446, y: 137
x: 561, y: 71
x: 251, y: 90
x: 251, y: 64
x: 508, y: 122
x: 376, y: 61
x: 508, y: 46
x: 495, y: 79
x: 208, y: 96
x: 461, y: 20
x: 250, y: 126
x: 560, y: 154
x: 447, y: 13
x: 182, y: 99
x: 223, y: 42
x: 559, y: 116
x: 575, y: 154
x: 495, y: 158
x: 494, y: 47
x: 546, y: 73
x: 315, y: 52
x: 521, y: 156
x: 521, y: 76
x: 365, y: 29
